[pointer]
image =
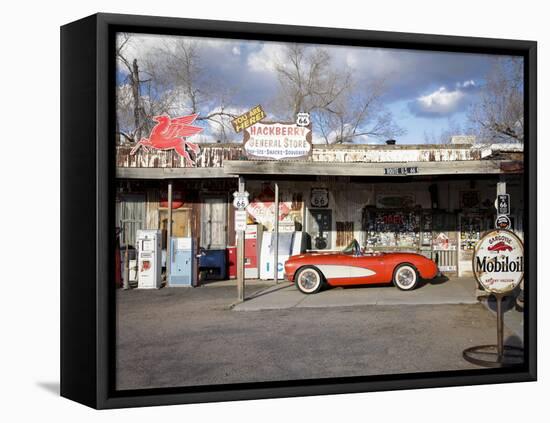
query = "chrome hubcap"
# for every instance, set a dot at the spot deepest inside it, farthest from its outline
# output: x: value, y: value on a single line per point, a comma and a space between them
x: 309, y: 279
x: 405, y: 277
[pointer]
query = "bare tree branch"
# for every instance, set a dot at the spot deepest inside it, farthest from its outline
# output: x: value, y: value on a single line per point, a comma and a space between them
x: 342, y: 108
x: 498, y: 115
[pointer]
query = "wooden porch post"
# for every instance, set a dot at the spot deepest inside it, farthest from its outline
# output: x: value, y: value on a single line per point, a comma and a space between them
x: 169, y: 235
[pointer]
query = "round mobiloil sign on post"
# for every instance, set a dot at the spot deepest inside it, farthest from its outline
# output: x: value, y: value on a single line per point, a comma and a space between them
x: 498, y: 261
x: 498, y: 267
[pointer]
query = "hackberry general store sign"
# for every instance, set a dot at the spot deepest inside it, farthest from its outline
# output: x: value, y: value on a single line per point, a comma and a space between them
x: 277, y: 141
x: 498, y: 261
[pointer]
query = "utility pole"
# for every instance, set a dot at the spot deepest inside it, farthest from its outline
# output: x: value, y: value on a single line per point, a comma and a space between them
x: 240, y: 251
x: 276, y: 229
x: 169, y: 235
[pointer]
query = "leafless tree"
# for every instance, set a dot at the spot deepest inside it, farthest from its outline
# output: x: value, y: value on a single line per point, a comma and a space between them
x: 195, y: 88
x: 498, y: 115
x: 342, y: 108
x: 169, y: 79
x: 129, y: 102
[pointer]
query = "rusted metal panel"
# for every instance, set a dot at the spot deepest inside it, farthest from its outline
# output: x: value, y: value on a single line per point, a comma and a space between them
x: 512, y: 166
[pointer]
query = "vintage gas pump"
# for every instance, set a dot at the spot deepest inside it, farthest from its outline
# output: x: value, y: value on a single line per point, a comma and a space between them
x: 252, y: 250
x: 183, y: 267
x: 149, y: 258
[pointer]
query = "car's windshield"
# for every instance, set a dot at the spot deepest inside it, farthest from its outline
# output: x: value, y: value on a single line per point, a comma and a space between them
x: 352, y: 249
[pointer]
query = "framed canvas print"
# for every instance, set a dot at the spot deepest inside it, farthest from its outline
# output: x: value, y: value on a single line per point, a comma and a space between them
x: 255, y: 211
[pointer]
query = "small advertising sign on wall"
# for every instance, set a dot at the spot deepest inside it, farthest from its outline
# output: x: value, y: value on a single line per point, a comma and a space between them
x: 503, y: 204
x: 503, y: 222
x: 277, y: 141
x: 319, y: 197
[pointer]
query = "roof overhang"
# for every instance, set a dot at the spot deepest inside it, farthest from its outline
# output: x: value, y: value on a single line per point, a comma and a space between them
x: 234, y: 168
x: 243, y: 167
x: 170, y: 173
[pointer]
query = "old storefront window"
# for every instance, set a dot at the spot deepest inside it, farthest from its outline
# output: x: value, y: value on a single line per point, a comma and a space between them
x: 213, y: 223
x: 130, y: 216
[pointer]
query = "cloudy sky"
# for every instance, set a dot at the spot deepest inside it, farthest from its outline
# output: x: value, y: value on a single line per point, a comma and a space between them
x: 426, y: 91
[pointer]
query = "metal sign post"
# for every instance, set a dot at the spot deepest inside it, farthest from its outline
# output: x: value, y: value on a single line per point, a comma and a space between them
x: 276, y: 229
x: 498, y: 355
x: 498, y: 268
x: 240, y: 203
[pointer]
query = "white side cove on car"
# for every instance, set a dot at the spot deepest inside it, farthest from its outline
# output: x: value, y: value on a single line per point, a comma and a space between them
x: 343, y: 271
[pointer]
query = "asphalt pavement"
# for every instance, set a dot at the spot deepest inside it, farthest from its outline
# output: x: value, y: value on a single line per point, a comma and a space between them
x: 285, y: 295
x: 184, y: 337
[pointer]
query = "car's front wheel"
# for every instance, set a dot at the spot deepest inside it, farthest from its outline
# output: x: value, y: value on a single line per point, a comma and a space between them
x: 309, y: 280
x: 405, y: 277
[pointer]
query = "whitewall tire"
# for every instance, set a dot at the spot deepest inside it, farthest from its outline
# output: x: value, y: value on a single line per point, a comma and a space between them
x: 309, y: 280
x: 405, y: 277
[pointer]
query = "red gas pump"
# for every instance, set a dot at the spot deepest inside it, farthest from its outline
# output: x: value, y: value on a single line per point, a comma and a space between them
x: 232, y: 262
x: 252, y: 247
x: 118, y: 270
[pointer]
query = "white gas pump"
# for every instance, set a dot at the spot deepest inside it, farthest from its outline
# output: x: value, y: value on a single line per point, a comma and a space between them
x: 149, y: 258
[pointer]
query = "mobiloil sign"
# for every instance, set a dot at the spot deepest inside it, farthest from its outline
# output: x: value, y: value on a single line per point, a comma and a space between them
x: 498, y: 261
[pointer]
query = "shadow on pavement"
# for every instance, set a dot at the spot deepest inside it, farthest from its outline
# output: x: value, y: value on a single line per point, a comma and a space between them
x: 268, y: 290
x: 435, y: 281
x: 508, y: 302
x: 423, y: 282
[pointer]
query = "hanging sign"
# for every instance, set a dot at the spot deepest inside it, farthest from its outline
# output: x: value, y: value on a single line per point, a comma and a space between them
x: 503, y: 222
x: 277, y: 141
x: 498, y: 261
x: 248, y: 119
x: 502, y: 204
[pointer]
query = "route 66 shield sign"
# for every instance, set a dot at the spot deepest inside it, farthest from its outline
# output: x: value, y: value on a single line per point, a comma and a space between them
x: 302, y: 119
x: 240, y: 200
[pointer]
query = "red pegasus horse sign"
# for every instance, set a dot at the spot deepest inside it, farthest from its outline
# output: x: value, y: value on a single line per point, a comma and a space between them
x: 172, y: 134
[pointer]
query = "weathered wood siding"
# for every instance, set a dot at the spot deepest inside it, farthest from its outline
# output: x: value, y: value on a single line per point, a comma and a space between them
x: 214, y: 155
x: 209, y: 156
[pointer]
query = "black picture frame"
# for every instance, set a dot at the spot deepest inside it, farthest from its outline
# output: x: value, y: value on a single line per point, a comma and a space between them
x: 87, y: 195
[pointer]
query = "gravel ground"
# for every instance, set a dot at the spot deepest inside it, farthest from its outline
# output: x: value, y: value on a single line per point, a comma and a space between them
x: 183, y: 337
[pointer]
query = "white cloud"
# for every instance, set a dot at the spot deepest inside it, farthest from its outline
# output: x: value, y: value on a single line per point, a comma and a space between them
x: 265, y: 59
x: 236, y: 51
x: 442, y: 102
x: 370, y: 62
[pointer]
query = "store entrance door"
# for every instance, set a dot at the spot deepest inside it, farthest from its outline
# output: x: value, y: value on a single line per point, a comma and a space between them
x: 181, y: 222
x: 214, y: 223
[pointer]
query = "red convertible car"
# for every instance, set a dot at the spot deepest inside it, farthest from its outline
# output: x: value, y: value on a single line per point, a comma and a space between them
x: 352, y: 267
